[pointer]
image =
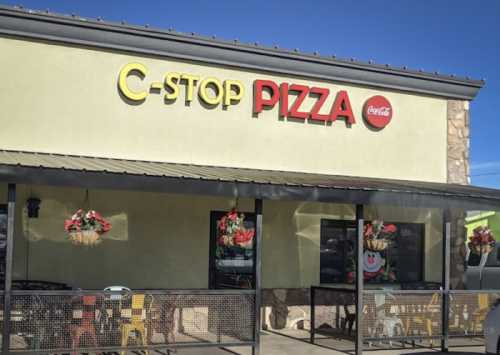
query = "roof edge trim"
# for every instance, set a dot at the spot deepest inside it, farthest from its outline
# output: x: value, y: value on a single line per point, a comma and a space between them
x: 74, y: 30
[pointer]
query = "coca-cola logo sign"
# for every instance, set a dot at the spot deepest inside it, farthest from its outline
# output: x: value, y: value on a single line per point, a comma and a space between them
x: 377, y: 111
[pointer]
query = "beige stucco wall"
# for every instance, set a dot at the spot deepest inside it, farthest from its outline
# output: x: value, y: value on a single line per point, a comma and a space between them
x: 64, y: 99
x: 157, y: 240
x: 161, y: 240
x: 291, y: 252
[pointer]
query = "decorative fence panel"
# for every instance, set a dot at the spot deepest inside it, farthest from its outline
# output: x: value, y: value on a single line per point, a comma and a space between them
x: 468, y: 311
x: 333, y: 312
x: 62, y: 321
x: 402, y: 315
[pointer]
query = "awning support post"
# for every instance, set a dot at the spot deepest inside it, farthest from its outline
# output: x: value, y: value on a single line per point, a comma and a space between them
x: 446, y: 279
x: 359, y: 280
x: 11, y: 208
x: 258, y: 274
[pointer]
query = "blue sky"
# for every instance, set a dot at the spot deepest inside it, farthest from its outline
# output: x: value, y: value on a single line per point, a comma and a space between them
x: 449, y: 36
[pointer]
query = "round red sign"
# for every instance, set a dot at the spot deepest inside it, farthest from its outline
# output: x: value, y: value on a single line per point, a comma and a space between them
x: 377, y: 111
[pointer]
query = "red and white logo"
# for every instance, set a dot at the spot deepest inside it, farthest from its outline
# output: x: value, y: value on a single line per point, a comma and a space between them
x: 377, y: 111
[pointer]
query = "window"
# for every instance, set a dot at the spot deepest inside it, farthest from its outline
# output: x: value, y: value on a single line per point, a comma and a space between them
x: 3, y: 243
x: 400, y: 262
x: 232, y: 265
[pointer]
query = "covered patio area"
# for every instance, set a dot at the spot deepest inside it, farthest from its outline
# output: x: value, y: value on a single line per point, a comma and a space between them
x: 162, y: 280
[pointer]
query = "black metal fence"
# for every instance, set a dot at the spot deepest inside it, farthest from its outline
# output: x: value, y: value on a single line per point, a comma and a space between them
x: 404, y: 316
x: 333, y: 312
x: 76, y: 321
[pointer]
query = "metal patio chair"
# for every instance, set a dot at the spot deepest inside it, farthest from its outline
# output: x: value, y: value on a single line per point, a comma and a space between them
x: 136, y: 324
x: 162, y: 318
x: 423, y: 316
x: 479, y: 315
x: 86, y: 325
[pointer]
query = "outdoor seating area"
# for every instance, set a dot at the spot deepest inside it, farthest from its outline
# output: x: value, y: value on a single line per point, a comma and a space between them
x: 69, y: 321
x: 404, y: 317
x: 68, y: 307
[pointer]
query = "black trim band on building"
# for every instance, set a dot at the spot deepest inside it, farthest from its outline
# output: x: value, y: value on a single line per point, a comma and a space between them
x: 106, y: 35
x: 267, y: 191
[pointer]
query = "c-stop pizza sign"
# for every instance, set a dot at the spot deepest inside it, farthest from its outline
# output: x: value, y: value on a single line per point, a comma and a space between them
x: 377, y: 111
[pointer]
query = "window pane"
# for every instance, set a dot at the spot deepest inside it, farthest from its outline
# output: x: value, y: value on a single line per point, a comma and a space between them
x: 410, y: 246
x: 3, y: 244
x: 233, y: 249
x: 336, y: 248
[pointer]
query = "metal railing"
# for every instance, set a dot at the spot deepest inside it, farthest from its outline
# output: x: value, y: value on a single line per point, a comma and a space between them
x: 405, y: 316
x: 397, y: 315
x: 468, y: 310
x: 333, y: 312
x: 77, y: 321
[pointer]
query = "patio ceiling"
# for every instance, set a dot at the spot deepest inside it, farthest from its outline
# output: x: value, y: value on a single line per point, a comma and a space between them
x: 93, y: 172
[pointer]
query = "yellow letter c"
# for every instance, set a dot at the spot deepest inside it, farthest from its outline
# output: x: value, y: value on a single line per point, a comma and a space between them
x: 122, y: 81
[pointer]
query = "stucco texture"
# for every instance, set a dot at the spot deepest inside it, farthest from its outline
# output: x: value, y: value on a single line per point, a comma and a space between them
x: 162, y: 240
x: 64, y: 99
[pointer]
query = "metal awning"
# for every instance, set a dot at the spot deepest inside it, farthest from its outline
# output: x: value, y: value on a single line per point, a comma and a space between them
x: 94, y: 172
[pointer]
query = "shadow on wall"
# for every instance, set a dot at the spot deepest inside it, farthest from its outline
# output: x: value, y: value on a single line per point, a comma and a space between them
x: 50, y: 224
x: 292, y: 243
x: 307, y: 223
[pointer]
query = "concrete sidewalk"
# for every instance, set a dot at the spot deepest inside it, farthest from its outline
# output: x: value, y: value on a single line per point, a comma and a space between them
x: 297, y: 342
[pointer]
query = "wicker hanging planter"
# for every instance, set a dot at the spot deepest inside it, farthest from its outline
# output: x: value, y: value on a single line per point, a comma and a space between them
x: 87, y: 238
x: 86, y: 228
x: 375, y: 244
x: 376, y: 235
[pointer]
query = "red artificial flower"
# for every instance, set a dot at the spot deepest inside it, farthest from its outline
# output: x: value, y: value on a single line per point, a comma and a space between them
x: 482, y: 236
x: 390, y: 228
x: 72, y: 225
x: 368, y: 230
x: 221, y: 224
x: 243, y: 236
x: 220, y: 240
x: 105, y: 226
x: 233, y: 215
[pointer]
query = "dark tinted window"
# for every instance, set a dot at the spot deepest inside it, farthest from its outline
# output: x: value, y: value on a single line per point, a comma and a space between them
x: 402, y: 261
x: 231, y: 265
x: 3, y: 243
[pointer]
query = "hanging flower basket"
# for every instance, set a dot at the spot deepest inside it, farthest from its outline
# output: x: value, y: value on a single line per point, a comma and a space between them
x: 376, y: 235
x: 86, y: 228
x: 231, y: 231
x: 481, y: 241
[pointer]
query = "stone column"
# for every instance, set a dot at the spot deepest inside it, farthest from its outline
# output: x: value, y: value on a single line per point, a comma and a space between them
x: 458, y: 142
x: 458, y: 173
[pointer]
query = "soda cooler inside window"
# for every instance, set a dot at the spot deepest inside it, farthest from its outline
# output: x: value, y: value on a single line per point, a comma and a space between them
x: 232, y: 250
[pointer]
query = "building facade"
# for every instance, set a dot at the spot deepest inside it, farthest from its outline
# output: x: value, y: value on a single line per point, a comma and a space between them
x: 98, y: 101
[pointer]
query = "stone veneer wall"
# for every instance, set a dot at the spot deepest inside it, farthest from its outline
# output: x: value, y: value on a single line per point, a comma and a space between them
x: 458, y: 142
x: 459, y: 173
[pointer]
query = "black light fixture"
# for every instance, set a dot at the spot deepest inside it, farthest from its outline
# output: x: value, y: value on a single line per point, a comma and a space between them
x: 33, y: 206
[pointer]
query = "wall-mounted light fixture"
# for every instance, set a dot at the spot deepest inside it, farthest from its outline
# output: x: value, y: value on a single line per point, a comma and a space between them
x: 33, y: 206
